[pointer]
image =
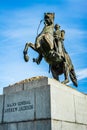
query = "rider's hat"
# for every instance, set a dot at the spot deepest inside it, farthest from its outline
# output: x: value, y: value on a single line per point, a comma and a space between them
x: 56, y: 26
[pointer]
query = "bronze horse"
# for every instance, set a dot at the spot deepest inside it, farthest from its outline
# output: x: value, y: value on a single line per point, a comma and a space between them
x: 44, y: 45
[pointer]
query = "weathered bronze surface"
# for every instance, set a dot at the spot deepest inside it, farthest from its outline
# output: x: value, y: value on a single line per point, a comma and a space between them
x: 50, y: 45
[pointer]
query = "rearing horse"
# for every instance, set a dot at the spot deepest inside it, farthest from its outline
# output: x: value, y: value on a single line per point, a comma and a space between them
x: 44, y: 45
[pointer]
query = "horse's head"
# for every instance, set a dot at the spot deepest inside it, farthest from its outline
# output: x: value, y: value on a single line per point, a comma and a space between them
x: 49, y: 18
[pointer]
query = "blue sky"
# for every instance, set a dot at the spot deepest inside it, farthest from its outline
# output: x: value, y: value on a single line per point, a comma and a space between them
x: 19, y: 21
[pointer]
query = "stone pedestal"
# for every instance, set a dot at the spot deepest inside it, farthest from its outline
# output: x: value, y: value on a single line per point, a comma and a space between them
x: 42, y: 103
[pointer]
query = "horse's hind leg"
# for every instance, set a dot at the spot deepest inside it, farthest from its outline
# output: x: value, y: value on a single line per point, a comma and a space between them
x: 54, y: 74
x: 66, y: 72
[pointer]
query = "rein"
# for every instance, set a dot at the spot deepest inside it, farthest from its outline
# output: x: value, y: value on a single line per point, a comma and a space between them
x: 39, y: 26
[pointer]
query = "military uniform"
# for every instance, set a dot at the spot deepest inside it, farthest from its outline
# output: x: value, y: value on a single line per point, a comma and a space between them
x: 58, y: 41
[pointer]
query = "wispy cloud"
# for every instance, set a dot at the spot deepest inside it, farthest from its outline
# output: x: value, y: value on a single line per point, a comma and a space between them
x: 73, y: 32
x: 82, y: 73
x: 19, y: 25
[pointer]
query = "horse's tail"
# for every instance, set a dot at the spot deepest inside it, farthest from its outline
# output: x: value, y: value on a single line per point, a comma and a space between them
x: 73, y: 76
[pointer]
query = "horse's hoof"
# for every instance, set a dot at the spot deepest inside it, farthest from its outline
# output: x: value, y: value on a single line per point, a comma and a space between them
x: 34, y: 60
x: 26, y: 58
x: 65, y: 81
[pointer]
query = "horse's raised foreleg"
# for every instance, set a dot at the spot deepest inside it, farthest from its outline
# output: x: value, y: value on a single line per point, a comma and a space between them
x: 27, y: 45
x: 26, y: 57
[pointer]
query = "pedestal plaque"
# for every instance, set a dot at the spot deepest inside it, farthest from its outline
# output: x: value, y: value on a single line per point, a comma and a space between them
x: 19, y: 106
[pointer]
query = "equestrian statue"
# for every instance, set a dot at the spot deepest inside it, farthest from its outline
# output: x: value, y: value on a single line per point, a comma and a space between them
x: 50, y: 45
